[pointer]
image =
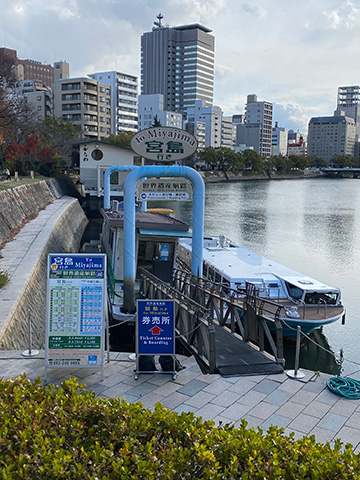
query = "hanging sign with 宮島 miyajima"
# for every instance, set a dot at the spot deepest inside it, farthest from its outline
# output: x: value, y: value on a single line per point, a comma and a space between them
x: 167, y: 144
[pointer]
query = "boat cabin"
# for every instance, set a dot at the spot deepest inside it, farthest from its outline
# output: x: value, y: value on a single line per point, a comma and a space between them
x: 232, y: 265
x: 156, y: 242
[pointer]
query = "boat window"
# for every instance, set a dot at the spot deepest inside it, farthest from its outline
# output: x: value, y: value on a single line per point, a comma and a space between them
x: 319, y: 298
x: 211, y: 274
x: 217, y: 277
x: 294, y: 292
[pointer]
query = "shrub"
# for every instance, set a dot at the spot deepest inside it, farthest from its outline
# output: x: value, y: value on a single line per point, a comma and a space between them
x: 51, y: 432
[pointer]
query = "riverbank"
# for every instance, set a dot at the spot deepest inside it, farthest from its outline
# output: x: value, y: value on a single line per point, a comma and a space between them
x: 223, y: 177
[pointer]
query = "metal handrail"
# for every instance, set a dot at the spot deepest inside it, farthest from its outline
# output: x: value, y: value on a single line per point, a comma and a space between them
x: 321, y: 300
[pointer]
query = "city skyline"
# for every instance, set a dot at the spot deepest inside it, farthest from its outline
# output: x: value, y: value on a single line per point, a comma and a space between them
x: 293, y: 56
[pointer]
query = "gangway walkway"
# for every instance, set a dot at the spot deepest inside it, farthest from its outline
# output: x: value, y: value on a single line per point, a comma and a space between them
x: 209, y: 323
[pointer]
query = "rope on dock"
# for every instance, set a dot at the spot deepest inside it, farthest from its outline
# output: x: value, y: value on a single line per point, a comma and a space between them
x: 347, y: 387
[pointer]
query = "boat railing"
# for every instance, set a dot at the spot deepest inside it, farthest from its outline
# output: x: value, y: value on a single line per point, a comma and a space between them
x: 322, y: 301
x: 227, y: 307
x: 303, y: 304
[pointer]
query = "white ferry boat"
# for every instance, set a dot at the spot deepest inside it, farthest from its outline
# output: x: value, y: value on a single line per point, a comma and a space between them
x: 303, y: 300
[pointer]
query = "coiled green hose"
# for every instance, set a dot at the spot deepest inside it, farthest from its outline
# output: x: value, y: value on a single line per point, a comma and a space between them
x: 347, y: 387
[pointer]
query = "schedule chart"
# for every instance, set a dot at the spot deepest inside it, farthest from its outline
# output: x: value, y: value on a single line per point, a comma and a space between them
x: 76, y: 299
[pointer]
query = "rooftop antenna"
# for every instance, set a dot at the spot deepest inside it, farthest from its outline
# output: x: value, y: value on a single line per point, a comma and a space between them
x: 160, y: 16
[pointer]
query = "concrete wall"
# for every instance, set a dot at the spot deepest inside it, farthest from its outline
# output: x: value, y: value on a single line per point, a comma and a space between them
x: 56, y: 228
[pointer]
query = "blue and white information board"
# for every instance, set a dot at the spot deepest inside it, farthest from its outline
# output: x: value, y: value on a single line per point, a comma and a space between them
x: 155, y: 327
x: 76, y: 302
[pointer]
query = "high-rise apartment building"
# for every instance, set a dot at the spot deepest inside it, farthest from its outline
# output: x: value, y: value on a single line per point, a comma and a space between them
x: 258, y: 125
x: 329, y: 136
x: 124, y: 104
x: 85, y: 102
x: 178, y: 62
x: 29, y: 69
x: 38, y: 96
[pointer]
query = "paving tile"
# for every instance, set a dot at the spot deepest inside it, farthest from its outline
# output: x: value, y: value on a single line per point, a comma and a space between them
x: 291, y: 386
x: 275, y: 420
x: 315, y: 387
x: 97, y: 388
x: 277, y: 397
x: 290, y: 410
x: 354, y: 420
x: 114, y: 379
x: 332, y: 421
x: 326, y: 396
x: 218, y: 387
x: 200, y: 399
x: 160, y: 380
x: 150, y: 399
x: 317, y: 409
x: 256, y: 378
x: 118, y: 390
x: 348, y: 435
x: 236, y: 411
x: 344, y: 407
x: 322, y: 435
x: 225, y: 399
x: 185, y: 376
x: 142, y: 389
x: 168, y: 388
x: 266, y: 386
x: 252, y: 398
x: 303, y: 423
x: 263, y: 410
x: 184, y: 409
x: 174, y: 400
x: 242, y: 386
x: 221, y: 421
x: 303, y: 397
x: 209, y: 412
x: 192, y: 388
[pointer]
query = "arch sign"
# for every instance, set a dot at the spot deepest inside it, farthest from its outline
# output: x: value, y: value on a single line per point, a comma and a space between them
x: 164, y: 144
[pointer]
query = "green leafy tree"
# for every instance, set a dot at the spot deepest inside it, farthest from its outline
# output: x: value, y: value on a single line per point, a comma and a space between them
x: 253, y: 161
x: 59, y: 134
x: 121, y: 140
x: 345, y: 161
x: 299, y: 161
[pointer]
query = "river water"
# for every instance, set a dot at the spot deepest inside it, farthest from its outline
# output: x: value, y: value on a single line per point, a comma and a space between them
x: 310, y: 225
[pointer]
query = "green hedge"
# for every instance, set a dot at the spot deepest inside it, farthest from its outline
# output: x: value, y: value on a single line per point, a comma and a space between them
x: 50, y: 432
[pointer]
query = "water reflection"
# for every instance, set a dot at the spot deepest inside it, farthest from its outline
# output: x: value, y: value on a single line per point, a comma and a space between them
x: 315, y: 354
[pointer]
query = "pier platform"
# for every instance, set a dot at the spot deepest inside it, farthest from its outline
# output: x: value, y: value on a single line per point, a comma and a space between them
x: 305, y: 407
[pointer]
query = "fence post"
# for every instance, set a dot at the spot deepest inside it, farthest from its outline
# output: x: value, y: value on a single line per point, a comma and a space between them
x: 30, y: 352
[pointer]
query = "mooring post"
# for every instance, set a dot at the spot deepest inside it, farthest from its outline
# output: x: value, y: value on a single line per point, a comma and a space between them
x: 296, y: 373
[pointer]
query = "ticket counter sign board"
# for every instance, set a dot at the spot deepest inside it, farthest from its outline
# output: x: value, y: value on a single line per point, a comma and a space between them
x: 164, y: 144
x: 155, y: 327
x: 76, y: 302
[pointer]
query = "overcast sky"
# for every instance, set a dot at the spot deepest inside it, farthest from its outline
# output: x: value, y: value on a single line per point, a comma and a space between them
x: 293, y: 54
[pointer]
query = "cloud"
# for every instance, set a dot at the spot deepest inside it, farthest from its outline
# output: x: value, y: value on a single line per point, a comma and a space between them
x: 223, y: 71
x: 253, y: 9
x: 347, y: 16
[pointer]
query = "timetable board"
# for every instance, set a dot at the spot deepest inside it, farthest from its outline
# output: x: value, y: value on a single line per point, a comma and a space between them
x: 76, y: 301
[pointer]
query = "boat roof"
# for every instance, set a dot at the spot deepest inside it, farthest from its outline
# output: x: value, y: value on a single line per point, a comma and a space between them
x: 145, y: 220
x: 238, y: 264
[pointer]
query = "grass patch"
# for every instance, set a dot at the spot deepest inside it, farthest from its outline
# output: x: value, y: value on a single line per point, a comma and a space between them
x: 4, y: 278
x: 7, y: 184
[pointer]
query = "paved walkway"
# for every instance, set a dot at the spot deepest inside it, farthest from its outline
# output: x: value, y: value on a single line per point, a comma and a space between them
x: 304, y: 407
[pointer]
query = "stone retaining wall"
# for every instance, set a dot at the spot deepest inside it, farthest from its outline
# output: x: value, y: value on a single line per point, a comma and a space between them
x: 61, y: 231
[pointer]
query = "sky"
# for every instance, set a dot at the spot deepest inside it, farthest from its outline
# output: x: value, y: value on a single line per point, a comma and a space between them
x: 293, y: 54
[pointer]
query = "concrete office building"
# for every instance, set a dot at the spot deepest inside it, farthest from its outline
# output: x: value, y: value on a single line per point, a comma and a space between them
x: 329, y: 136
x: 151, y: 107
x: 124, y: 105
x: 178, y: 62
x: 38, y: 96
x: 85, y: 102
x: 258, y: 125
x: 279, y: 140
